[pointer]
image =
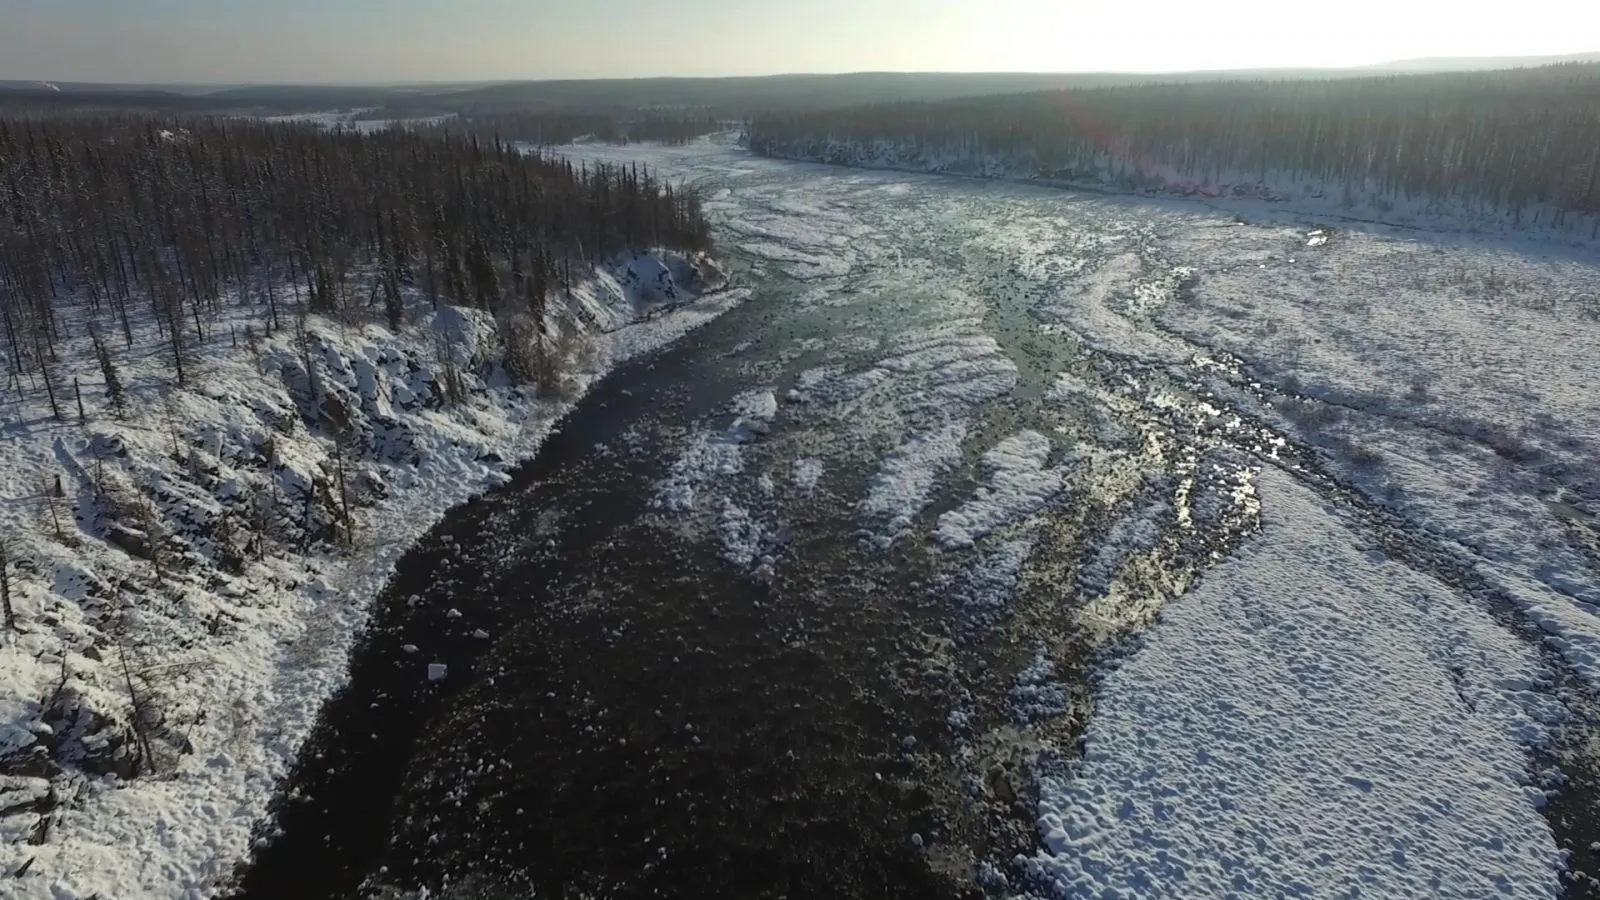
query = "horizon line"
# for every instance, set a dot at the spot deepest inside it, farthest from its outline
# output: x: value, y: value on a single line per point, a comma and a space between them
x: 392, y: 84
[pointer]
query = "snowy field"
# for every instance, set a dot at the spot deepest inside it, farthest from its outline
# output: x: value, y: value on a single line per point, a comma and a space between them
x: 228, y: 641
x: 1384, y: 442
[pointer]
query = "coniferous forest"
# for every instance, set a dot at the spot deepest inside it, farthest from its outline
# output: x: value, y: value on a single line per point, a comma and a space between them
x: 169, y: 217
x: 550, y: 128
x: 1520, y: 143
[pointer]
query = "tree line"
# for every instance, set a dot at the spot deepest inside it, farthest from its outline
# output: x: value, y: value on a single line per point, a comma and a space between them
x: 1524, y: 143
x: 134, y: 216
x: 551, y: 128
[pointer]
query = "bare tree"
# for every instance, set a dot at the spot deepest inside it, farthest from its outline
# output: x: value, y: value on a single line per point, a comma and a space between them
x: 6, y: 554
x: 108, y: 373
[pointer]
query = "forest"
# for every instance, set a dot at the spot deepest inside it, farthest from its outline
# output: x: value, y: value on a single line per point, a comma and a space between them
x: 221, y: 339
x: 548, y: 128
x: 172, y: 218
x: 1520, y: 143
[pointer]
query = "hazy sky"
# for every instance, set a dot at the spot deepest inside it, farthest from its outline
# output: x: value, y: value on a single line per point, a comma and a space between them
x: 421, y: 40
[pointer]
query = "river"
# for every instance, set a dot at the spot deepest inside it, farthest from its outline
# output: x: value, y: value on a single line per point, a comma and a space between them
x: 818, y: 601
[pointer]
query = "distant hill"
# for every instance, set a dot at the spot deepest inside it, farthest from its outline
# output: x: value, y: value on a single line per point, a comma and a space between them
x: 734, y: 97
x: 748, y: 94
x: 96, y: 87
x: 1477, y: 63
x: 324, y: 96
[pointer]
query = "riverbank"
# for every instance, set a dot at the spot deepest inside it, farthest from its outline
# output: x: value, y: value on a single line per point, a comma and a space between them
x: 176, y: 640
x: 1257, y: 200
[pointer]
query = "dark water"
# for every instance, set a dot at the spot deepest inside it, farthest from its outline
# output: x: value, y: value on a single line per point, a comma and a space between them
x: 629, y: 712
x: 638, y: 707
x: 645, y: 719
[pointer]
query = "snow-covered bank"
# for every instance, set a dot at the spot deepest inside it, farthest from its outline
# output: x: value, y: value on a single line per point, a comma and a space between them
x: 1313, y: 719
x: 1267, y: 196
x: 1452, y: 383
x: 182, y: 608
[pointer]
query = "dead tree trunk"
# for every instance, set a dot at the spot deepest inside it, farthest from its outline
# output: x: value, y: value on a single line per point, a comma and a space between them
x: 5, y: 585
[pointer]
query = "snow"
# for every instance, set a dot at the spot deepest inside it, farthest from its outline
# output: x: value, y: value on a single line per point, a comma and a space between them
x: 1312, y: 719
x: 710, y: 458
x: 240, y: 659
x: 1037, y: 694
x: 1019, y: 484
x: 699, y: 483
x: 807, y: 472
x: 742, y: 536
x: 754, y: 411
x: 1452, y: 380
x: 925, y: 395
x: 756, y: 406
x: 798, y: 263
x: 992, y: 579
x: 1261, y: 194
x: 707, y: 457
x: 904, y: 482
x: 962, y: 367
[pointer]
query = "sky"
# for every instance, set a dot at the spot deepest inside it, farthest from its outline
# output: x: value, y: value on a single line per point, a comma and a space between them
x: 347, y: 41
